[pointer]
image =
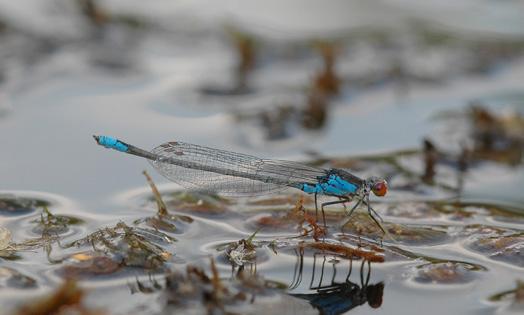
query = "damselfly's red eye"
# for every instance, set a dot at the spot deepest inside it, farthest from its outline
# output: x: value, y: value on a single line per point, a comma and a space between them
x: 380, y: 188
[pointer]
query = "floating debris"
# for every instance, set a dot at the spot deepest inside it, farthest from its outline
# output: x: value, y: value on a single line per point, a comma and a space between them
x: 130, y: 246
x: 242, y: 252
x: 506, y: 248
x: 445, y: 273
x: 67, y: 299
x: 86, y: 265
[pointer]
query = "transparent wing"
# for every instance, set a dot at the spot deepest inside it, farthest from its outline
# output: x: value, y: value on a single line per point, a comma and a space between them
x: 189, y: 164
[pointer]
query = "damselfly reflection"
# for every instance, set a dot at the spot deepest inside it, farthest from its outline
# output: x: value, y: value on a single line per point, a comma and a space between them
x: 332, y: 296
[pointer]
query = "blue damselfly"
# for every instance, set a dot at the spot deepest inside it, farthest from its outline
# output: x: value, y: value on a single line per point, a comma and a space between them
x: 235, y: 174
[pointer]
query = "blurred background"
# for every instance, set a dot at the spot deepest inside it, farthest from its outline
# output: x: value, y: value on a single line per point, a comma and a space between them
x: 288, y: 79
x: 428, y: 94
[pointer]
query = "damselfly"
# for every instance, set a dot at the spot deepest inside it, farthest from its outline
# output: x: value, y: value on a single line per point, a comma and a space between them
x: 229, y: 173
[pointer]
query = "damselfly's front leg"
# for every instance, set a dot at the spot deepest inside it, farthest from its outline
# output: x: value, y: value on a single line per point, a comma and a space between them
x: 370, y: 210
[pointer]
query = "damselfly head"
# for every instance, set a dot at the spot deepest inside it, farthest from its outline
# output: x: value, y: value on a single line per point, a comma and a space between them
x: 378, y: 186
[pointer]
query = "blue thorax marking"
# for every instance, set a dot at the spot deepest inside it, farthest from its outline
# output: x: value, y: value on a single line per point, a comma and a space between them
x: 310, y: 189
x: 334, y: 185
x: 112, y: 143
x: 337, y: 181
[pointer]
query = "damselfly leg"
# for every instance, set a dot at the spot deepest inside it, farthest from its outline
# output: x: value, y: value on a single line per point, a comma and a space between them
x: 342, y: 200
x: 316, y: 207
x: 371, y: 211
x: 350, y: 213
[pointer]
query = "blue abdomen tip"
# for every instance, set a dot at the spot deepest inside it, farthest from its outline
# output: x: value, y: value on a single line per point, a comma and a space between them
x: 112, y: 143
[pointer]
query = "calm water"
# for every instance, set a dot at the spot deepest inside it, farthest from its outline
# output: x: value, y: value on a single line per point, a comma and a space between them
x: 166, y: 71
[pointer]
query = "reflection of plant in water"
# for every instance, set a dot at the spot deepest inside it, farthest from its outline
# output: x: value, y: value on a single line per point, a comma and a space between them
x: 336, y: 297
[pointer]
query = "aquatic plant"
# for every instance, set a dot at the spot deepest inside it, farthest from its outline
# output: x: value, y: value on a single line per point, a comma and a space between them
x: 133, y: 246
x: 242, y: 251
x: 163, y: 220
